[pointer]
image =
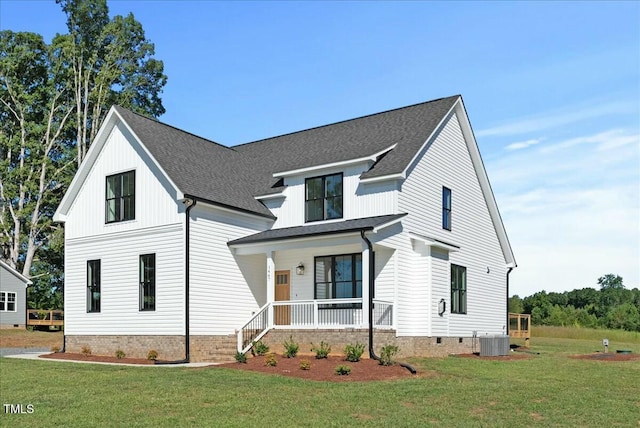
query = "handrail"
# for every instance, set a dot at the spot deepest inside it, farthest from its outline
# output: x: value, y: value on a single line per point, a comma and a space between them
x: 261, y: 324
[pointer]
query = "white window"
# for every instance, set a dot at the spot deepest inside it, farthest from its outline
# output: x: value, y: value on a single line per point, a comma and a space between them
x: 7, y: 301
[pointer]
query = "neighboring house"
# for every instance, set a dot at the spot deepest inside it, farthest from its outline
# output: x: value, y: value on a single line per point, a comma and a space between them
x: 13, y: 297
x: 194, y: 249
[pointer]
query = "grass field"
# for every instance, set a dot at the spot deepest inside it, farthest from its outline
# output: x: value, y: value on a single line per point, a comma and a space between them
x: 548, y: 389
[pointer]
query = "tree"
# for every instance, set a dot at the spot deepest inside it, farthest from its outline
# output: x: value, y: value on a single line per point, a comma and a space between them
x: 515, y: 305
x: 52, y: 100
x: 112, y: 63
x: 610, y: 282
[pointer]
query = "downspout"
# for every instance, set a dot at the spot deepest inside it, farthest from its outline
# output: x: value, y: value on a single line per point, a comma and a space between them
x: 508, y: 272
x: 372, y: 273
x: 189, y: 203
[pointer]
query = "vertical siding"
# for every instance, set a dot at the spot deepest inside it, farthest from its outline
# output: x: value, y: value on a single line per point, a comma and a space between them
x: 119, y: 258
x: 447, y: 163
x: 155, y: 197
x: 10, y: 283
x: 224, y: 289
x: 359, y: 200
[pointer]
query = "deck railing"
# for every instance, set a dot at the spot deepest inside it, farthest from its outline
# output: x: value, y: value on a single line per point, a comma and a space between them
x: 520, y: 327
x: 42, y: 317
x: 312, y: 314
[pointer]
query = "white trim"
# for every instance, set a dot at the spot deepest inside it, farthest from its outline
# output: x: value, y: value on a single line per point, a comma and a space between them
x: 432, y: 242
x: 370, y: 158
x: 15, y: 273
x: 399, y: 176
x: 238, y: 212
x: 6, y: 301
x: 270, y: 196
x: 378, y: 228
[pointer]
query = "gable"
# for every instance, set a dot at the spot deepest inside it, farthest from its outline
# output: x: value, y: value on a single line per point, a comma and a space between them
x: 9, y: 272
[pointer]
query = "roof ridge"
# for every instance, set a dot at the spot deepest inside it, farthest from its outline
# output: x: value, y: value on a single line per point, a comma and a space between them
x: 346, y: 120
x: 174, y: 127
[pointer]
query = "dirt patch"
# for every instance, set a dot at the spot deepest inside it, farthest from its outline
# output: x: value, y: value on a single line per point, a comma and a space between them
x: 324, y: 369
x: 22, y: 338
x: 607, y: 356
x: 95, y: 358
x: 512, y: 356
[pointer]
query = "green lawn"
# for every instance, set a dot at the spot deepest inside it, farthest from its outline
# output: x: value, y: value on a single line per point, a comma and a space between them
x: 548, y: 389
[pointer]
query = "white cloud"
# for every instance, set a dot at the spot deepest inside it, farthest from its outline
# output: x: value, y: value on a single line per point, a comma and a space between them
x: 523, y: 144
x: 572, y: 210
x: 554, y: 119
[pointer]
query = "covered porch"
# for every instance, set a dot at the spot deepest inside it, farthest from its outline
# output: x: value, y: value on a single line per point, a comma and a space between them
x: 322, y: 277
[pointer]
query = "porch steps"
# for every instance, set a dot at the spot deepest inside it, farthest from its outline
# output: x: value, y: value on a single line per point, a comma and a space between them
x: 214, y: 349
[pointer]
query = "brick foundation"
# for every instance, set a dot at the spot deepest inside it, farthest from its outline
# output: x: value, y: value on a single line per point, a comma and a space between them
x: 223, y: 348
x: 169, y: 348
x: 409, y: 346
x: 11, y: 326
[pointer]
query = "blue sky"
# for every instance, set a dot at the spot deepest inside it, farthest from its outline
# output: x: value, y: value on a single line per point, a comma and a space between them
x: 552, y: 90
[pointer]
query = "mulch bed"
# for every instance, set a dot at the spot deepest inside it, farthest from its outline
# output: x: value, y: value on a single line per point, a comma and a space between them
x: 95, y: 358
x: 324, y: 369
x: 608, y: 356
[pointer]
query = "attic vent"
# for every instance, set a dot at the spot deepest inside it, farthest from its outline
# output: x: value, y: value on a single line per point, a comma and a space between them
x: 494, y: 346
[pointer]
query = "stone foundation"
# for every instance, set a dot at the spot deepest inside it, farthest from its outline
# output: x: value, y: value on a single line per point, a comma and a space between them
x: 223, y: 348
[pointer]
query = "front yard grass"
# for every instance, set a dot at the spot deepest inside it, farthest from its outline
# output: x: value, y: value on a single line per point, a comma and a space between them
x: 549, y: 389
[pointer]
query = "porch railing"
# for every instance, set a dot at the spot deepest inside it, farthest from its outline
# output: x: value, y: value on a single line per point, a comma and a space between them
x: 312, y: 314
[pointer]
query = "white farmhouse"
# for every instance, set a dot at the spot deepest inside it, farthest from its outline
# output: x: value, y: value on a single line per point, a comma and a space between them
x: 384, y: 224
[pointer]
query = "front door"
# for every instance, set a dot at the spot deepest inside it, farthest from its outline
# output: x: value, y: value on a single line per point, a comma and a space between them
x: 282, y: 314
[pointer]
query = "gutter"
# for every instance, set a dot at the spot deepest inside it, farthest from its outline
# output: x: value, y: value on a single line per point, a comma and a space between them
x: 507, y: 324
x: 189, y: 203
x: 372, y: 272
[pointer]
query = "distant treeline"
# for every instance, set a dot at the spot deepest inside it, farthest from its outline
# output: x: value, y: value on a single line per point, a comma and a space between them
x: 613, y: 306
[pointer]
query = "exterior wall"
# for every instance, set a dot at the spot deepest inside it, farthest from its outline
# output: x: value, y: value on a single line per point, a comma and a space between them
x: 155, y: 197
x: 447, y: 162
x: 359, y: 200
x: 119, y: 258
x: 11, y: 283
x: 224, y: 288
x: 158, y: 228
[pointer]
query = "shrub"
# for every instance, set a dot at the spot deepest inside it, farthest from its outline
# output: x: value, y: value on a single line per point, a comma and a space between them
x: 260, y: 348
x: 152, y: 355
x: 290, y: 348
x: 241, y: 357
x: 86, y: 351
x: 321, y: 351
x: 343, y: 370
x: 305, y: 365
x: 387, y: 353
x: 30, y: 328
x: 120, y: 354
x: 270, y: 360
x: 354, y: 352
x: 55, y: 348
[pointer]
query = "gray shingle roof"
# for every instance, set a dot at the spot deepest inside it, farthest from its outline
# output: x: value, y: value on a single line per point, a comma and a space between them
x: 233, y: 176
x: 347, y: 226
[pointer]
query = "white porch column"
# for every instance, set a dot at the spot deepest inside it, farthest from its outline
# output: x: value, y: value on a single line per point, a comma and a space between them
x: 271, y: 283
x: 365, y: 285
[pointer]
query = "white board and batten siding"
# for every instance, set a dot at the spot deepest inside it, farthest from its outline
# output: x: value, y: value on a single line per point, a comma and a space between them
x: 359, y: 200
x: 224, y: 288
x: 447, y: 162
x: 157, y: 228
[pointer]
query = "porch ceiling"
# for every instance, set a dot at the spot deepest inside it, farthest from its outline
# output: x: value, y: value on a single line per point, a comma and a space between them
x: 314, y: 230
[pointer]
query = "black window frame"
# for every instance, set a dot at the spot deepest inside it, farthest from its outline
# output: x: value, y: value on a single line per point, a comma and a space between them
x: 147, y: 281
x: 355, y: 279
x: 94, y: 293
x: 323, y: 198
x: 458, y: 289
x: 120, y: 200
x: 446, y: 207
